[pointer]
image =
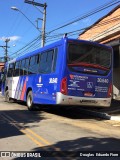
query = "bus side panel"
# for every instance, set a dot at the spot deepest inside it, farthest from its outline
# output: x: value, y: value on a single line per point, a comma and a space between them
x: 15, y: 86
x: 45, y: 86
x: 12, y: 84
x: 21, y: 88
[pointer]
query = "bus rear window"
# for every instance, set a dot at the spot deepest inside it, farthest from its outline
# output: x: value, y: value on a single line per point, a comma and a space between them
x: 88, y: 55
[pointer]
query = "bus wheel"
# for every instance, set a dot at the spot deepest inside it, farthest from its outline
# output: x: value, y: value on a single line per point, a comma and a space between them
x: 7, y: 98
x: 30, y: 104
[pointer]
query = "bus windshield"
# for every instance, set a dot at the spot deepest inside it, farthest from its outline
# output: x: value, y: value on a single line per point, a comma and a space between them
x: 90, y: 56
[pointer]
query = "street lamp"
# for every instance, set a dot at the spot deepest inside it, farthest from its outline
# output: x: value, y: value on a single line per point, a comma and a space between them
x: 44, y: 17
x: 16, y: 9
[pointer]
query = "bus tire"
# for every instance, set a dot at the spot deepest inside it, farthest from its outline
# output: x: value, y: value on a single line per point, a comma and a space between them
x: 7, y: 98
x: 29, y: 101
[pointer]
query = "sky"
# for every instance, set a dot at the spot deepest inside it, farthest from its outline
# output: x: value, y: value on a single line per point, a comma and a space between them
x: 15, y: 26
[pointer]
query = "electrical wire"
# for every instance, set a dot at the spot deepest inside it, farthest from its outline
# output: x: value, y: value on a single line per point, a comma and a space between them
x: 55, y: 37
x: 113, y: 19
x: 87, y: 15
x: 25, y: 47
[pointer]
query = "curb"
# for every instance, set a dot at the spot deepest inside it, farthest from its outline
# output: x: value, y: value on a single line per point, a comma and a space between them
x: 95, y: 114
x: 102, y: 115
x: 115, y: 118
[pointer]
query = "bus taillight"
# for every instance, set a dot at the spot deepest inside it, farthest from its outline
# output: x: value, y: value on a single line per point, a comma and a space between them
x: 110, y: 90
x: 63, y: 88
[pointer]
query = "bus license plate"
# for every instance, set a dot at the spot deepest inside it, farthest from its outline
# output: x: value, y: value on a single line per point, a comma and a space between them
x: 88, y: 94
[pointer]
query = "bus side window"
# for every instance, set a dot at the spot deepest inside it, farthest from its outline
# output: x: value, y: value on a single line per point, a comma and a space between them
x: 16, y: 71
x: 10, y: 70
x: 4, y: 75
x: 26, y: 66
x: 48, y: 61
x: 34, y: 64
x: 22, y: 66
x: 51, y: 60
x: 54, y: 59
x: 43, y: 62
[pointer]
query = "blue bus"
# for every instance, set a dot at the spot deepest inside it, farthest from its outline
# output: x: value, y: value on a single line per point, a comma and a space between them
x: 67, y: 72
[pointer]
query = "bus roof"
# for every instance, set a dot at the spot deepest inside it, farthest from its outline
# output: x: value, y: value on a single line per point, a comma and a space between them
x: 50, y: 46
x: 55, y: 44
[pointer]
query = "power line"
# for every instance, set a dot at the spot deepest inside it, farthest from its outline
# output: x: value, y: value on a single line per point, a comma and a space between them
x: 87, y: 15
x: 26, y: 46
x: 107, y: 5
x: 56, y: 36
x: 98, y: 25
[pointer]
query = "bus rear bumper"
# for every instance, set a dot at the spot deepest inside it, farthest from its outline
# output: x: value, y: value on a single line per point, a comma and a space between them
x: 82, y: 101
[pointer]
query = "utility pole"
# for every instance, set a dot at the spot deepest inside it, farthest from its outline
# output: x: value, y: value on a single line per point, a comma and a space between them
x: 43, y: 26
x: 6, y: 49
x: 43, y: 20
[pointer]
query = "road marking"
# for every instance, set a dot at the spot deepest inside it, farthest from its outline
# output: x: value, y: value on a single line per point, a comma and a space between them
x: 42, y: 139
x: 34, y: 140
x: 19, y: 127
x: 39, y: 137
x: 28, y: 135
x: 27, y: 131
x: 13, y: 123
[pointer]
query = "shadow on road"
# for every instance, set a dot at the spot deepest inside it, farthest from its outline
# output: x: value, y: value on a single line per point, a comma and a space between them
x: 10, y: 120
x: 72, y: 112
x: 73, y: 148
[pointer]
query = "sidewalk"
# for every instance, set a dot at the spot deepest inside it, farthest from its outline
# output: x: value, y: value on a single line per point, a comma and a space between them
x: 108, y: 113
x: 113, y: 111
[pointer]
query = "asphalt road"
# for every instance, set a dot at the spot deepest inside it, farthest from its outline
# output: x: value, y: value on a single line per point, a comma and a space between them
x: 55, y: 130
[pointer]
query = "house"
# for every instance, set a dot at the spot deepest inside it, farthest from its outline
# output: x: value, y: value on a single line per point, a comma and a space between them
x: 107, y: 31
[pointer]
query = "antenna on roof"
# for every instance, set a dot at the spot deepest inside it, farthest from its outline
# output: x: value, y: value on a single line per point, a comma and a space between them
x: 65, y: 35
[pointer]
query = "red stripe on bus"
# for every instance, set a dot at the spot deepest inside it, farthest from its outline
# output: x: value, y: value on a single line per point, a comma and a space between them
x: 23, y: 91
